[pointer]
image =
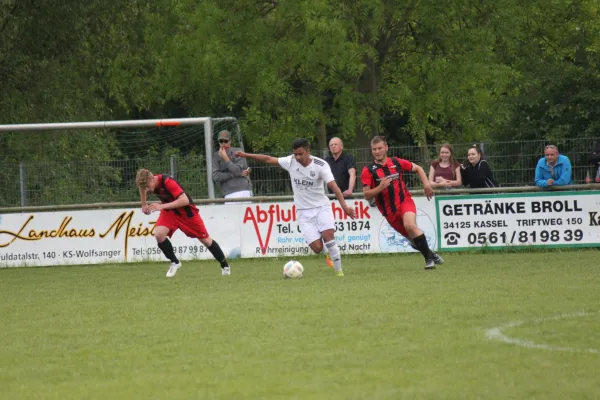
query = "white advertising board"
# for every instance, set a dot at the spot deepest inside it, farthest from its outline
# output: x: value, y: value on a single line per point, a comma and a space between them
x: 242, y: 230
x: 450, y: 223
x: 558, y: 219
x: 271, y: 229
x: 101, y: 236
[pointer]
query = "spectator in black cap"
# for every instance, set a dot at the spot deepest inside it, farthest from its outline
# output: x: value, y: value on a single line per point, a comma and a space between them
x: 230, y: 171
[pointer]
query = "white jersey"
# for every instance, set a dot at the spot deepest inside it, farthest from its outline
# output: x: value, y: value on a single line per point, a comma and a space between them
x: 308, y: 182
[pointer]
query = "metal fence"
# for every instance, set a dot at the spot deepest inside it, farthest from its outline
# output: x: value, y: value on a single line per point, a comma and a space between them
x: 34, y: 183
x: 96, y: 161
x: 43, y: 183
x: 513, y: 163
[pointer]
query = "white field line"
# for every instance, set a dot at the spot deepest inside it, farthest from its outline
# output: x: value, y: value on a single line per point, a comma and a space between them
x: 496, y: 334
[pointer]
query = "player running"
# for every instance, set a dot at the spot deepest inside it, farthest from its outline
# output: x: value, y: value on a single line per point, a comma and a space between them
x: 382, y: 180
x: 315, y: 217
x: 177, y: 211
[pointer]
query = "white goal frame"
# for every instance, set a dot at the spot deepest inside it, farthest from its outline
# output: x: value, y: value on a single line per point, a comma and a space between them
x: 168, y: 122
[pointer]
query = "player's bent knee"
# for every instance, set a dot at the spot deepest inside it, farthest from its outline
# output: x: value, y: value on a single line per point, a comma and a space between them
x: 412, y: 229
x: 328, y: 235
x: 316, y: 246
x: 316, y: 249
x: 161, y: 233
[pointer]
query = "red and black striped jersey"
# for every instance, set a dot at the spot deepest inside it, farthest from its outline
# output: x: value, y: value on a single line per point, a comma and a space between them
x: 168, y: 190
x: 390, y: 198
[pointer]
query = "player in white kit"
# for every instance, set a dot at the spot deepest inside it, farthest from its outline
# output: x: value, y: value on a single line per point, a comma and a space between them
x: 308, y: 175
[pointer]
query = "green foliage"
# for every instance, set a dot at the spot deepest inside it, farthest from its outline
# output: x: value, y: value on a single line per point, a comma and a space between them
x: 417, y: 71
x: 66, y: 62
x: 555, y: 48
x: 286, y: 67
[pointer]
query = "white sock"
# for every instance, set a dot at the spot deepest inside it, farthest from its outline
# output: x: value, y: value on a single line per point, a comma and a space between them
x: 334, y: 254
x: 324, y: 251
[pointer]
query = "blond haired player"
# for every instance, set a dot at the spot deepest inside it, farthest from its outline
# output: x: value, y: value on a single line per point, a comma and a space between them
x: 177, y: 211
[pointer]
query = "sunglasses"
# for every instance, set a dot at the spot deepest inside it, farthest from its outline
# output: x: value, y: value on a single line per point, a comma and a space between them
x: 223, y: 141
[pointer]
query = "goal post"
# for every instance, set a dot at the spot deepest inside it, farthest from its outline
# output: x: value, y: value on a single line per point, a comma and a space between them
x: 131, y: 138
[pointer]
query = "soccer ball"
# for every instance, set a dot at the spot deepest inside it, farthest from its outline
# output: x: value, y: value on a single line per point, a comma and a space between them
x: 292, y: 269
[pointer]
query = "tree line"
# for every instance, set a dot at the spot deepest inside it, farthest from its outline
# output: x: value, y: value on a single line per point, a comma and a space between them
x: 418, y: 71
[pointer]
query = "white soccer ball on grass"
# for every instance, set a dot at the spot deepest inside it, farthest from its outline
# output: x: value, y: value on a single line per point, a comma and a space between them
x: 293, y: 269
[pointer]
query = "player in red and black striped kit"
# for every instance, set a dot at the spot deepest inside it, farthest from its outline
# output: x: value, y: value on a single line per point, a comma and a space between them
x: 177, y: 211
x: 382, y: 180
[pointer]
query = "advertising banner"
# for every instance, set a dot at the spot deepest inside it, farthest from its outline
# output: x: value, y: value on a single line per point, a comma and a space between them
x: 271, y: 229
x: 101, y: 236
x: 557, y: 219
x: 450, y: 223
x: 242, y: 230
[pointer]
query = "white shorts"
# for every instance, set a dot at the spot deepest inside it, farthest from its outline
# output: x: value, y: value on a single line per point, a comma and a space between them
x: 313, y: 221
x: 239, y: 195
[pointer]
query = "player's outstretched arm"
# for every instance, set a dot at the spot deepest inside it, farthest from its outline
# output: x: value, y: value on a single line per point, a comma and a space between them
x: 340, y: 196
x: 143, y: 196
x: 426, y: 185
x: 143, y: 200
x: 258, y: 157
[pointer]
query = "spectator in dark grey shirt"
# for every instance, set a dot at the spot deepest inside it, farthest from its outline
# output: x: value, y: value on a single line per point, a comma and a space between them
x: 342, y: 166
x: 229, y: 170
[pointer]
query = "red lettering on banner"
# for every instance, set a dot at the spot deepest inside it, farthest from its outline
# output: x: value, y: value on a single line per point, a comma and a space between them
x: 277, y: 214
x: 273, y: 214
x: 360, y: 208
x: 362, y: 211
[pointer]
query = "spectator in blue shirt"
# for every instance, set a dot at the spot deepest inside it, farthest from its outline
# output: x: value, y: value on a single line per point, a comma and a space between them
x: 554, y: 169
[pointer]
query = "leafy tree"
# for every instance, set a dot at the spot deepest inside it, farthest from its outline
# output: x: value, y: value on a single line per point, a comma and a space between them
x: 64, y: 61
x: 319, y: 67
x: 554, y: 47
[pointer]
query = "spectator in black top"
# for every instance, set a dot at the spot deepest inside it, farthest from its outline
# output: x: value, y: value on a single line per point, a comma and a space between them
x: 476, y: 172
x: 343, y: 167
x: 595, y: 161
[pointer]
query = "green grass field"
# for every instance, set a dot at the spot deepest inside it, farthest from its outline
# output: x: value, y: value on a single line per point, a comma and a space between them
x: 387, y: 330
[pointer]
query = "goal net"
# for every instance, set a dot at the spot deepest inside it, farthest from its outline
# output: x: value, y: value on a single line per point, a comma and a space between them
x: 96, y: 162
